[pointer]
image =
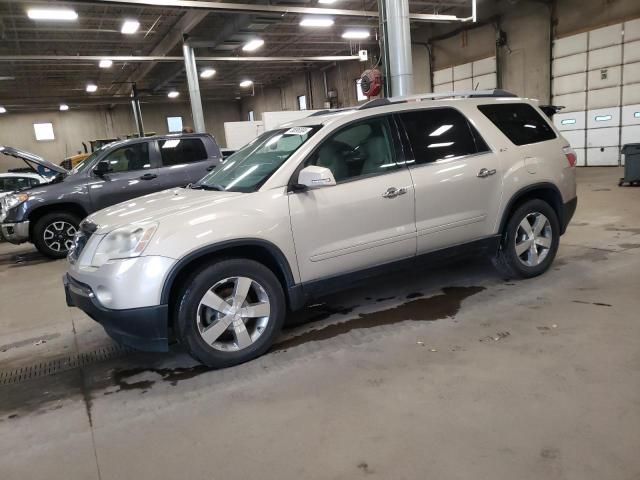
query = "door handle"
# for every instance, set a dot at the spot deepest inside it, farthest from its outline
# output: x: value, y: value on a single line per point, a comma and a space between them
x: 393, y: 192
x: 148, y: 176
x: 485, y: 172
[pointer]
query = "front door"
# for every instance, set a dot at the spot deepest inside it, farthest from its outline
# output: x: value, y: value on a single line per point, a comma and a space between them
x: 132, y: 174
x: 367, y: 219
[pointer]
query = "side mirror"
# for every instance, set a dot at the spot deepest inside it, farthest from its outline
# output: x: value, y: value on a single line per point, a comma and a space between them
x: 102, y: 168
x: 315, y: 177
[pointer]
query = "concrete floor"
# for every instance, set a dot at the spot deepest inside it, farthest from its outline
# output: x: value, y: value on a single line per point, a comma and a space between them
x: 452, y: 373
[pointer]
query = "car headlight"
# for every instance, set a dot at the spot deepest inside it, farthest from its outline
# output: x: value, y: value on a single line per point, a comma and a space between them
x: 124, y: 242
x: 14, y: 200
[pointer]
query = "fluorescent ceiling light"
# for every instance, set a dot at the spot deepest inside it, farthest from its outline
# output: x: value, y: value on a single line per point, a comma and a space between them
x: 316, y: 22
x: 52, y: 14
x: 355, y: 34
x: 252, y: 45
x: 207, y: 73
x: 91, y: 87
x: 173, y: 94
x: 3, y: 110
x: 105, y: 63
x: 440, y: 130
x: 327, y: 2
x: 63, y: 107
x: 130, y: 26
x: 246, y: 83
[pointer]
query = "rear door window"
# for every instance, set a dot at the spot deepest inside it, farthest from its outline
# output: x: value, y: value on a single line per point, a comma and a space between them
x: 520, y: 122
x: 440, y: 133
x: 176, y: 151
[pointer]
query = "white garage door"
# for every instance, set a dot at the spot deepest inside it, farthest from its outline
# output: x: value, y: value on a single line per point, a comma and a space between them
x: 596, y: 76
x: 478, y: 75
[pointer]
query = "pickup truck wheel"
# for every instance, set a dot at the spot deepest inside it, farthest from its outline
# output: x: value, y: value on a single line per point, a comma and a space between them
x: 530, y: 240
x: 230, y: 312
x: 53, y: 233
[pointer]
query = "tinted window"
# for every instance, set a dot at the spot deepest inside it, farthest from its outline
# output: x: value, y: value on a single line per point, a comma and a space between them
x: 440, y: 133
x: 365, y: 148
x: 14, y: 184
x: 520, y: 122
x: 132, y: 157
x: 182, y: 150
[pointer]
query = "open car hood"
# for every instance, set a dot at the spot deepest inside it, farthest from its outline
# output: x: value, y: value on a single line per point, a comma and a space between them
x: 31, y: 158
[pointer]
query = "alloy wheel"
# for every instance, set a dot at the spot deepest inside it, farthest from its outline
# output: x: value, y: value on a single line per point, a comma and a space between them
x: 58, y: 236
x: 534, y: 237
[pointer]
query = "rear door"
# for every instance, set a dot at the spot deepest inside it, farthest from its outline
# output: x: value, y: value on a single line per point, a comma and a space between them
x: 457, y: 178
x: 184, y: 160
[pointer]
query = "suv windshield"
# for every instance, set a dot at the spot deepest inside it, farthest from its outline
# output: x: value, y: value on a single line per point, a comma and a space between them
x: 248, y: 168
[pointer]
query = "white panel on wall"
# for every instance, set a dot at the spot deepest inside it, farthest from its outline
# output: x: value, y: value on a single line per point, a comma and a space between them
x: 605, y: 97
x: 605, y: 37
x: 567, y: 65
x: 631, y: 115
x: 484, y: 66
x: 631, y: 73
x: 632, y: 52
x: 444, y: 87
x: 563, y: 47
x: 443, y: 76
x: 581, y: 154
x: 630, y: 134
x: 603, y: 137
x: 606, y: 156
x: 631, y: 94
x: 460, y: 85
x: 576, y: 138
x: 605, y: 57
x: 569, y: 121
x: 485, y: 82
x: 572, y: 101
x: 570, y: 83
x: 604, y: 77
x: 603, y: 117
x: 461, y: 72
x: 632, y: 30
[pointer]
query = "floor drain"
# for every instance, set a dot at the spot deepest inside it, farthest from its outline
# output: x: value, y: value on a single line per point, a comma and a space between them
x: 61, y: 364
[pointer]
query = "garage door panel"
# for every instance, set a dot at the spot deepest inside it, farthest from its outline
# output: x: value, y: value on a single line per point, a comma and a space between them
x: 484, y: 66
x: 461, y: 72
x: 603, y: 156
x: 603, y: 118
x: 443, y: 76
x: 569, y: 121
x: 630, y: 134
x: 568, y: 65
x: 631, y: 94
x: 485, y: 82
x: 605, y: 97
x: 632, y: 52
x: 632, y: 30
x: 605, y: 37
x: 605, y: 57
x: 445, y: 87
x: 582, y: 157
x: 570, y: 83
x: 461, y: 85
x: 605, y: 77
x: 631, y: 115
x: 603, y: 137
x: 563, y: 47
x: 572, y: 102
x: 576, y: 138
x: 631, y: 73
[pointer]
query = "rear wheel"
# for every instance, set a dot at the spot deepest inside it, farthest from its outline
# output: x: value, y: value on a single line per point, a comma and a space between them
x: 230, y: 312
x: 53, y: 233
x: 530, y: 240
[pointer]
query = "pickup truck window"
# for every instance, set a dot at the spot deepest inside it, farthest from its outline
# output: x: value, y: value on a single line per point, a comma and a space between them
x: 182, y: 150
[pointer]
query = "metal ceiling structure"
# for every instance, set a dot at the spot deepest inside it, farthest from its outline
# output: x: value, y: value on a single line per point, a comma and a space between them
x: 43, y: 63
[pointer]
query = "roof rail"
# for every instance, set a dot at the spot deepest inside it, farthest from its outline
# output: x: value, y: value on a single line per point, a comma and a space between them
x: 461, y: 94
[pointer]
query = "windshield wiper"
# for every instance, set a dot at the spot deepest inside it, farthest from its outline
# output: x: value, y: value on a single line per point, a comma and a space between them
x: 202, y: 186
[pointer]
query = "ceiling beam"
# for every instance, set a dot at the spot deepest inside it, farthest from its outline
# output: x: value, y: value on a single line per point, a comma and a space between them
x: 144, y: 59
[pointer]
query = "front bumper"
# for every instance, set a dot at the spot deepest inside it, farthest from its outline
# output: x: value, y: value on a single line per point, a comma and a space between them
x: 144, y: 328
x: 15, y: 232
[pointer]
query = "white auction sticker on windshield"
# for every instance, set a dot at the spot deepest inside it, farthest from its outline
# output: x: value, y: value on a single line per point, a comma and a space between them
x: 298, y: 131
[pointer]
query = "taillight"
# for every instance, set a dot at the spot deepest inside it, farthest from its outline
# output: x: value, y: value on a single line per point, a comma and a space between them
x: 572, y: 158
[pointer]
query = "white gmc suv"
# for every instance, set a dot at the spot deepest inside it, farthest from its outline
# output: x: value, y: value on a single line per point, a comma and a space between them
x: 318, y: 204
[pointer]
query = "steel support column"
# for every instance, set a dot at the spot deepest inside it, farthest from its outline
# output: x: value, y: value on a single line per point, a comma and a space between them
x: 194, y: 88
x: 137, y: 111
x: 398, y: 43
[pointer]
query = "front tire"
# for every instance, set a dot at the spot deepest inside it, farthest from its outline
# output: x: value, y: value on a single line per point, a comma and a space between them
x: 53, y: 233
x: 230, y: 312
x: 529, y: 241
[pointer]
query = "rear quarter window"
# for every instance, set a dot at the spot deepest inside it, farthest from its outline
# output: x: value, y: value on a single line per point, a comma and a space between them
x: 520, y: 122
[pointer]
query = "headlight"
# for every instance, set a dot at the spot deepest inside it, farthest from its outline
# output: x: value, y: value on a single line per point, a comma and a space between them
x: 124, y: 242
x: 14, y: 200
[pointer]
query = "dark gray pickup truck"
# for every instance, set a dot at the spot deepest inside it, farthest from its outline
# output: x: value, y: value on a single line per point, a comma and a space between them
x: 48, y: 215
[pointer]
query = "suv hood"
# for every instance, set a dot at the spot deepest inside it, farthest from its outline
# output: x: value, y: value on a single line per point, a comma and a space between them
x: 30, y: 158
x: 156, y: 206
